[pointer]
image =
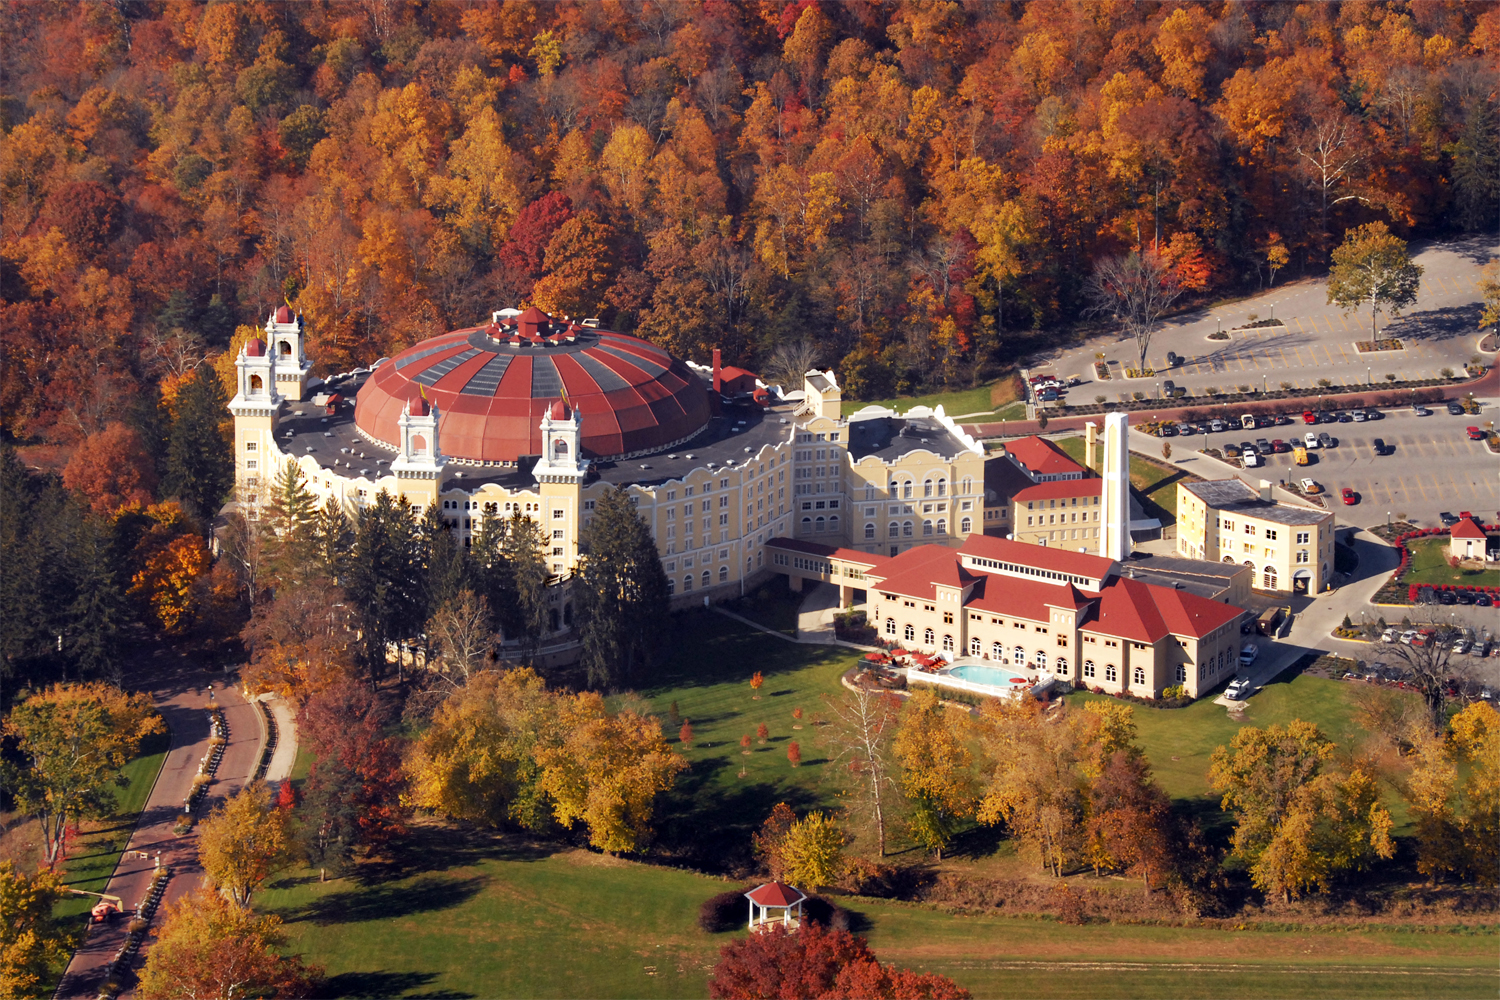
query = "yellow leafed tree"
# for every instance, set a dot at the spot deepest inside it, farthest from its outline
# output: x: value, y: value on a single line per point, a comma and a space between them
x: 243, y: 843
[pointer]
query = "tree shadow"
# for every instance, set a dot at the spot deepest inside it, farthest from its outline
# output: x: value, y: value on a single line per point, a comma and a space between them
x: 428, y: 849
x: 426, y: 894
x: 383, y: 985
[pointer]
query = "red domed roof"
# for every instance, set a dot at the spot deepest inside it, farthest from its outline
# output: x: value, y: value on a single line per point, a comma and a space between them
x: 559, y: 411
x: 284, y: 314
x: 492, y: 385
x: 417, y: 407
x: 255, y: 348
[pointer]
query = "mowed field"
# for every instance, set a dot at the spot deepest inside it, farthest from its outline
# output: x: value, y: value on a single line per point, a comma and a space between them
x: 497, y: 917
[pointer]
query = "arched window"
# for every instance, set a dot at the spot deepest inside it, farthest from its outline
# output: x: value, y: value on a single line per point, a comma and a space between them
x: 1041, y: 660
x: 1138, y: 675
x: 806, y: 524
x: 1060, y: 668
x: 948, y: 643
x: 927, y: 636
x: 965, y: 526
x: 906, y: 489
x: 927, y: 488
x: 942, y: 526
x: 821, y: 525
x: 1269, y: 579
x: 942, y: 487
x: 997, y: 651
x: 1229, y: 559
x: 926, y: 528
x: 1088, y: 668
x: 1111, y: 672
x: 1181, y: 673
x: 723, y: 574
x: 833, y: 523
x: 286, y: 349
x: 687, y: 583
x: 869, y: 491
x: 870, y: 531
x: 671, y: 586
x: 418, y: 444
x: 909, y: 633
x: 975, y: 646
x: 707, y: 578
x: 906, y: 529
x: 560, y: 448
x: 890, y: 626
x: 256, y: 385
x: 1018, y: 656
x: 894, y: 529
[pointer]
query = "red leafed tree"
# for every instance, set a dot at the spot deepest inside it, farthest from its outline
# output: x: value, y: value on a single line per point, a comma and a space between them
x: 344, y: 726
x: 112, y: 470
x: 685, y: 734
x: 1130, y: 822
x: 526, y: 244
x: 814, y: 961
x: 794, y: 753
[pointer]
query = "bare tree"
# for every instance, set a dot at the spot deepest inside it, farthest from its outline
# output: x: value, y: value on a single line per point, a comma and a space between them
x: 859, y: 737
x: 790, y: 362
x: 1330, y: 155
x: 464, y: 635
x: 1432, y: 671
x: 1136, y: 289
x: 242, y: 542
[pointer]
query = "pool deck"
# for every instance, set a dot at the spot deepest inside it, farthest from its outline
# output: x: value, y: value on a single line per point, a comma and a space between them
x: 944, y: 678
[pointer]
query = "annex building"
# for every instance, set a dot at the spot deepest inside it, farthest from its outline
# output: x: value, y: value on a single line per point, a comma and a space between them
x: 534, y: 414
x: 1083, y: 618
x: 1287, y: 547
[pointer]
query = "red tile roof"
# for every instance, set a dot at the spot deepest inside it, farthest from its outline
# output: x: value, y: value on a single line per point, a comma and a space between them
x: 1060, y: 488
x: 1466, y: 528
x: 1145, y: 612
x: 1011, y: 595
x: 1038, y: 556
x: 775, y: 894
x: 284, y: 314
x: 828, y: 551
x: 1041, y: 457
x: 917, y: 572
x: 1191, y: 614
x: 255, y: 348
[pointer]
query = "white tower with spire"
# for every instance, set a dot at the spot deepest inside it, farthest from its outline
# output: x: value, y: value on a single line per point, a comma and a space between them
x: 285, y: 343
x: 1114, y: 540
x: 419, y: 456
x: 562, y: 439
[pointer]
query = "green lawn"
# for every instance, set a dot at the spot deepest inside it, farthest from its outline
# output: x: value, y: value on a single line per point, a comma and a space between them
x: 976, y: 400
x: 1429, y: 564
x: 773, y: 604
x: 468, y: 915
x: 712, y: 811
x: 94, y: 856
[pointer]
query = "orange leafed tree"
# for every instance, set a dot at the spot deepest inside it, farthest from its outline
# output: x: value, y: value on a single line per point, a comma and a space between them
x: 166, y: 582
x: 112, y: 470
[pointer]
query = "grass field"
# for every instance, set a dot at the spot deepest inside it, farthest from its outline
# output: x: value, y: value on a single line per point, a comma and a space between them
x: 772, y: 604
x: 1157, y: 486
x: 94, y: 856
x: 976, y: 400
x: 1429, y: 564
x: 473, y: 916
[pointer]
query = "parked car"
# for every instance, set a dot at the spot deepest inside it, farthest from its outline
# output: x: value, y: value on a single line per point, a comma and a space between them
x: 1483, y: 601
x: 1345, y: 418
x: 1374, y: 414
x: 1309, y: 417
x: 1358, y: 416
x: 1420, y: 410
x: 1379, y: 445
x: 1249, y: 652
x: 1389, y: 635
x: 1216, y: 426
x: 1455, y: 408
x: 1447, y: 598
x: 1252, y: 460
x: 1475, y: 434
x: 1168, y: 430
x: 1279, y: 446
x: 1238, y: 689
x: 1049, y: 395
x: 1282, y: 419
x: 1481, y: 648
x: 1310, y: 487
x: 1447, y: 517
x: 1350, y: 497
x: 1405, y: 638
x: 1327, y: 440
x: 1172, y: 362
x: 1461, y: 646
x: 1263, y: 446
x: 1247, y: 448
x: 1465, y: 598
x: 1169, y: 386
x: 1311, y: 440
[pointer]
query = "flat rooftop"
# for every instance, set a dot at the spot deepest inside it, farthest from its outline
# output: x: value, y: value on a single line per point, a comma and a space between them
x: 888, y: 438
x: 731, y: 438
x: 1206, y: 579
x: 1233, y: 496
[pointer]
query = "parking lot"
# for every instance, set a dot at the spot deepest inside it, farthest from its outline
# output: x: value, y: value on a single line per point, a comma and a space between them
x: 1429, y: 466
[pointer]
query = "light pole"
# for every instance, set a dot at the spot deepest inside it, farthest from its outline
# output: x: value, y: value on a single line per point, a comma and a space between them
x: 1388, y: 520
x: 1367, y: 375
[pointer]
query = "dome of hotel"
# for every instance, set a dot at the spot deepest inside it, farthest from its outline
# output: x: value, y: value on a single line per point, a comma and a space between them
x: 492, y: 386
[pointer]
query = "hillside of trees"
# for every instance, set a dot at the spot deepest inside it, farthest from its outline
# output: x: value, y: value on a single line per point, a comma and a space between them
x: 919, y: 189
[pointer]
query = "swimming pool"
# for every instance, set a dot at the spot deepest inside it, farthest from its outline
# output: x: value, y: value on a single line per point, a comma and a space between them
x: 979, y: 673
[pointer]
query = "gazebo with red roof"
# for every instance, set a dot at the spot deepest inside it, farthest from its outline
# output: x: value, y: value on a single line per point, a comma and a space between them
x: 775, y: 896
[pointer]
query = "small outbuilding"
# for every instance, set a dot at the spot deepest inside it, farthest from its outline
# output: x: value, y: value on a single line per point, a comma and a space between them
x: 773, y: 903
x: 1467, y: 540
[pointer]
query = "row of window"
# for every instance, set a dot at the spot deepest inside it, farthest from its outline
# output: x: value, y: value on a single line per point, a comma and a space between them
x: 706, y: 577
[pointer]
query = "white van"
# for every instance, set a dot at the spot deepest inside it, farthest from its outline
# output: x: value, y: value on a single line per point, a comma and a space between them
x: 1248, y: 654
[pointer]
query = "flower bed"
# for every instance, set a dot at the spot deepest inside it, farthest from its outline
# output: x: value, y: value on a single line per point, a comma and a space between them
x: 1389, y: 344
x: 218, y: 739
x: 1101, y: 371
x: 1259, y: 324
x: 1218, y: 335
x: 1140, y: 372
x: 139, y: 925
x: 1391, y: 592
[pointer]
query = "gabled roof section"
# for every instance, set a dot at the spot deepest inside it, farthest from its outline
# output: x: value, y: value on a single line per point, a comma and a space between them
x: 1041, y: 457
x: 1061, y: 488
x: 1466, y: 528
x: 920, y: 571
x: 1013, y: 596
x: 1144, y: 612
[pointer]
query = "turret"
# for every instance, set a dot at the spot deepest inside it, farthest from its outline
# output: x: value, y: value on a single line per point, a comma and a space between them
x: 284, y: 339
x: 562, y: 438
x: 420, y: 456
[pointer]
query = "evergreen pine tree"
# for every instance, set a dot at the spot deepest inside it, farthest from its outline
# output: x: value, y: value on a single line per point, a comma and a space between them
x: 525, y: 562
x: 23, y: 635
x: 382, y: 579
x: 1476, y: 168
x: 444, y: 562
x: 622, y: 594
x: 288, y: 515
x: 200, y: 462
x: 332, y: 539
x: 98, y: 612
x: 490, y: 571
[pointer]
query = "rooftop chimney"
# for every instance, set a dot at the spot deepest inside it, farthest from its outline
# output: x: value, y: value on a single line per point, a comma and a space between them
x: 717, y: 386
x: 1265, y: 490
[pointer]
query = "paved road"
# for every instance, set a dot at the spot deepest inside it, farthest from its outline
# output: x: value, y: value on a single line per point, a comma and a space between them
x: 1317, y: 340
x: 182, y: 701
